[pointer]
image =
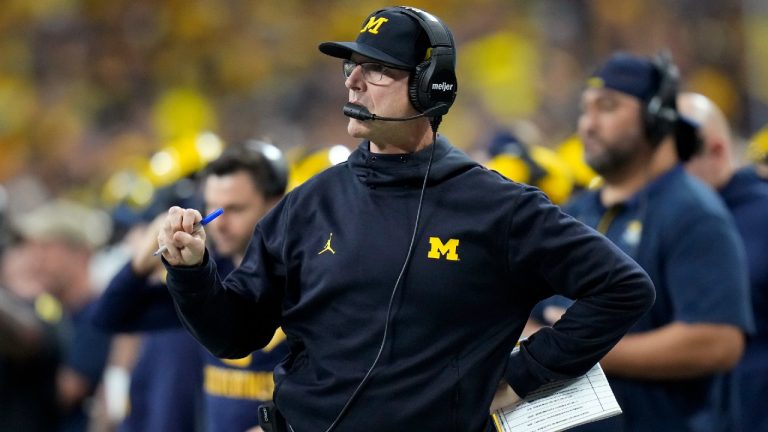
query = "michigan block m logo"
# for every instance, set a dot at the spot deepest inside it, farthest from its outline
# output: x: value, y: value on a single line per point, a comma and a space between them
x: 438, y: 249
x: 373, y: 25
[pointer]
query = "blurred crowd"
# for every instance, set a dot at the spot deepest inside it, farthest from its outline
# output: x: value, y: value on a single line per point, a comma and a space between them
x: 109, y: 112
x: 89, y: 89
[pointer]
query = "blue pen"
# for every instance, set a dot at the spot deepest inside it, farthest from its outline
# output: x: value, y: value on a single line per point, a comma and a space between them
x: 213, y: 215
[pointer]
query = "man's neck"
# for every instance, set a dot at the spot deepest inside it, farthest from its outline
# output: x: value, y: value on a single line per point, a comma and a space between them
x: 76, y: 295
x: 412, y: 142
x: 725, y: 174
x: 619, y: 189
x: 237, y: 259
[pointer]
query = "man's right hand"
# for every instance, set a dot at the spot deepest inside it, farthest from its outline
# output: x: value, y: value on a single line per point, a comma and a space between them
x: 185, y: 245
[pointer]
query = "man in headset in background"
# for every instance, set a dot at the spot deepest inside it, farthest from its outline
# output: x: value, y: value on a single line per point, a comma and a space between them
x: 667, y: 372
x: 401, y: 289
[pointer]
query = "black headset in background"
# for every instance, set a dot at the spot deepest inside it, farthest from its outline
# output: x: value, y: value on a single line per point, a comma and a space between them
x: 277, y: 166
x: 263, y: 161
x: 432, y: 85
x: 660, y: 115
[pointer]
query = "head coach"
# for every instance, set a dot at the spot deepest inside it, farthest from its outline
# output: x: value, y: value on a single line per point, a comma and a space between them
x: 403, y: 277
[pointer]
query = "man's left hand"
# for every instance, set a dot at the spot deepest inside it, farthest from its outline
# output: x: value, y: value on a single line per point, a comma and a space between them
x: 504, y: 397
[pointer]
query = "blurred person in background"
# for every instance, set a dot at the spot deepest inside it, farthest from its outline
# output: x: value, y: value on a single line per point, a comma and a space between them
x: 308, y: 163
x: 757, y: 151
x: 63, y: 235
x: 29, y: 348
x: 668, y: 371
x: 469, y: 251
x: 174, y: 376
x: 165, y: 383
x: 747, y: 199
x: 530, y: 164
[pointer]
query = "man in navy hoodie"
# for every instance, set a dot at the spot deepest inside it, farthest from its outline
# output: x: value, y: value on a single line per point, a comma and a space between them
x: 402, y: 290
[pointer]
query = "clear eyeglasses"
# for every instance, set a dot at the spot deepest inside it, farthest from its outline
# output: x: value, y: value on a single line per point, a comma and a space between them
x: 374, y: 73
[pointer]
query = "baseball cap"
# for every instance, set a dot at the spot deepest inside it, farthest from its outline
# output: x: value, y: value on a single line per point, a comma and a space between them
x: 389, y: 36
x: 626, y: 73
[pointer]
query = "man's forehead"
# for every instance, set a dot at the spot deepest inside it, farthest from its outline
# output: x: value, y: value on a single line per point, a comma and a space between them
x: 236, y: 187
x: 596, y: 94
x: 235, y: 182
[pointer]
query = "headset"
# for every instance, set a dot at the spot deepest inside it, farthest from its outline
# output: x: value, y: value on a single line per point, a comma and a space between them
x: 660, y: 115
x: 277, y: 166
x: 432, y: 85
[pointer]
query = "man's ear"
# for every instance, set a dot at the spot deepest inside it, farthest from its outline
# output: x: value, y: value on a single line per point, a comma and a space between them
x: 717, y: 148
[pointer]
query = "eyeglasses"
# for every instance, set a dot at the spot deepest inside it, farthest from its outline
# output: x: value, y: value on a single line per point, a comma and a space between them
x: 374, y: 73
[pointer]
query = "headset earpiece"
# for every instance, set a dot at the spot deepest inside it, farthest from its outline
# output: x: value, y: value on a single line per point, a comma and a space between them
x: 414, y: 84
x: 274, y: 163
x: 660, y: 113
x: 433, y: 85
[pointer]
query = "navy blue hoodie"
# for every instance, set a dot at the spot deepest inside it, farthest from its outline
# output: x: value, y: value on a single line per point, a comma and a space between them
x: 486, y: 251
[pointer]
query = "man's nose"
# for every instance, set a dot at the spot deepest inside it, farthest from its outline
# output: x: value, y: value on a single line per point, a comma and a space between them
x: 355, y: 81
x: 586, y: 123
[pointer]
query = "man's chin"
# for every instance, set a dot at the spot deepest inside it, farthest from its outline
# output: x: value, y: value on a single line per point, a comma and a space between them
x: 357, y: 129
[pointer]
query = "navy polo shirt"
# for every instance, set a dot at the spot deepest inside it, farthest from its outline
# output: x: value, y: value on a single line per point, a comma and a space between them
x: 681, y: 234
x: 86, y: 349
x: 750, y: 171
x: 746, y: 196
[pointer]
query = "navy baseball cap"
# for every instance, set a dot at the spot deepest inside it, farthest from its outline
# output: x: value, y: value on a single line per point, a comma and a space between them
x: 635, y: 76
x: 389, y: 36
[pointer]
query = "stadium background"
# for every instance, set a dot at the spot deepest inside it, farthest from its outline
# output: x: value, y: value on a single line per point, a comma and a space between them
x: 103, y: 101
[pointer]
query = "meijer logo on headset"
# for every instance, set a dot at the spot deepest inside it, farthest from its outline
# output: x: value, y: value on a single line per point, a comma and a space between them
x: 443, y: 86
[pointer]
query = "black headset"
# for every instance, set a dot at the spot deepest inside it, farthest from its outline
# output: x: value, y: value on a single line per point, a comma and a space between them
x: 262, y: 160
x: 660, y: 115
x: 277, y: 166
x: 432, y: 85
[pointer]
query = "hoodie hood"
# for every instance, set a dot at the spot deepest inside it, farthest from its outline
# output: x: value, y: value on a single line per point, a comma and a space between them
x: 377, y: 170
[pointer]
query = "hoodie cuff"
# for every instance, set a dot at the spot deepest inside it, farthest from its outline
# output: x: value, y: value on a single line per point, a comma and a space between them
x: 193, y: 279
x: 524, y: 374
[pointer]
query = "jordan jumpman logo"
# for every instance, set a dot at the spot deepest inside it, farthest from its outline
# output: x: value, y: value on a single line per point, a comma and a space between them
x: 328, y: 247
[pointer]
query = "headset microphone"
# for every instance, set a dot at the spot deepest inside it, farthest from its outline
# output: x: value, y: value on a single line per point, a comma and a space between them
x: 360, y: 112
x: 357, y: 112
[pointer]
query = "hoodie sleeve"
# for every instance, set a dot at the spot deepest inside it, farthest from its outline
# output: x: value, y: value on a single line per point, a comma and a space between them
x: 610, y: 290
x: 132, y: 303
x: 237, y: 315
